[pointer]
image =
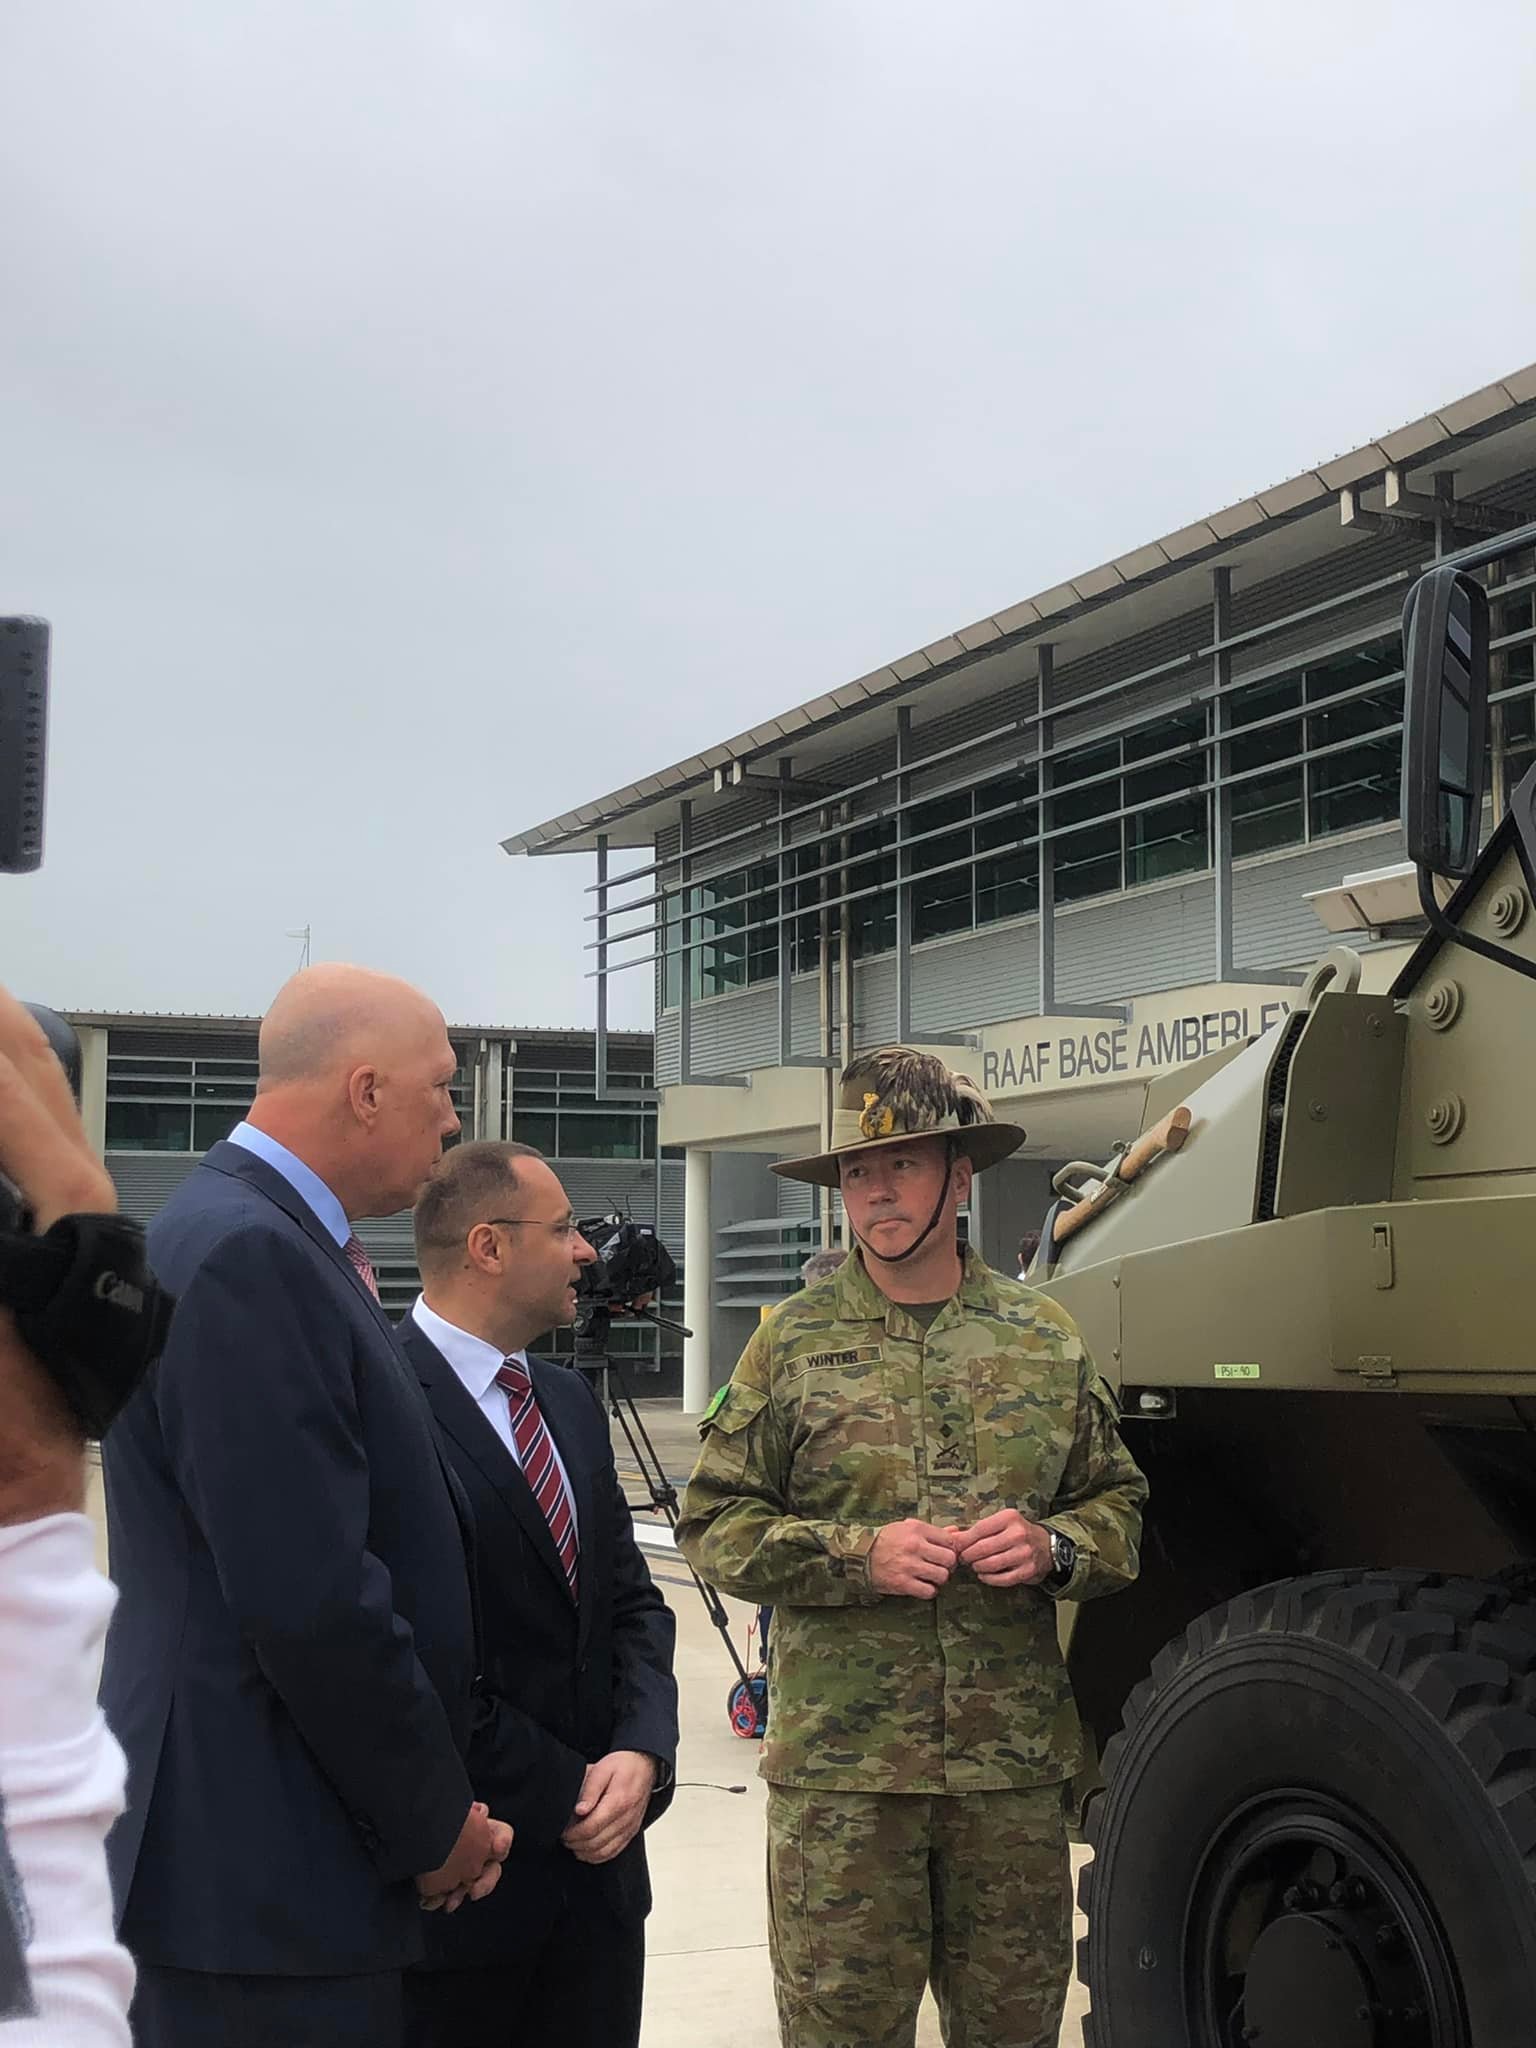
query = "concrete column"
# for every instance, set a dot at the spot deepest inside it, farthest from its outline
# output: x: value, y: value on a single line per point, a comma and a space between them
x: 698, y: 1277
x: 93, y: 1085
x: 489, y: 1088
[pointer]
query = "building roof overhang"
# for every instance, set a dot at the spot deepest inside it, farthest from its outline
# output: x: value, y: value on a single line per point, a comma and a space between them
x: 1266, y: 534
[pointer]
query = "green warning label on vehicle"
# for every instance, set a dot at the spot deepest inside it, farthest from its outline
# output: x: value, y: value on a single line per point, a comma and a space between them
x: 1237, y: 1372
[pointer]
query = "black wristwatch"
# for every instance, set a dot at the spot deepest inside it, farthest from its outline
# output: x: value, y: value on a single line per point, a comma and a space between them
x: 1063, y: 1562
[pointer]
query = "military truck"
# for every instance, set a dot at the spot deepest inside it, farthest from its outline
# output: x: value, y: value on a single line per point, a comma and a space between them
x: 1317, y: 1709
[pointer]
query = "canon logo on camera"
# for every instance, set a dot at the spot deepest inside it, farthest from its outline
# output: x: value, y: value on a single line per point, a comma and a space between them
x: 120, y: 1293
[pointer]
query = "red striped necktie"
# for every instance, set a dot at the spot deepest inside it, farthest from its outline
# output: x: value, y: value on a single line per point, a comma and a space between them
x: 361, y: 1265
x: 541, y: 1469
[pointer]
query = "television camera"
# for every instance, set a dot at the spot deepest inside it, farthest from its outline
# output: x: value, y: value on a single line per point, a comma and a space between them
x: 633, y: 1268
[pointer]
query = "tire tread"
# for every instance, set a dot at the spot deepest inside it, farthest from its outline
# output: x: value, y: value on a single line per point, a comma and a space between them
x: 1463, y: 1649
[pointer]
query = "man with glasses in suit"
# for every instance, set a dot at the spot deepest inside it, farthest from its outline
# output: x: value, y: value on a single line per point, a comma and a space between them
x: 576, y: 1734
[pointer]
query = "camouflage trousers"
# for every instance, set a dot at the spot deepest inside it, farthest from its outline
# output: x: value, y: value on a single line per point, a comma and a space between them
x: 873, y: 1895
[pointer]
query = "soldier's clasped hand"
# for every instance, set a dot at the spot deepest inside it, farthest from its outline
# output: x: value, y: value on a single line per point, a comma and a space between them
x: 912, y: 1558
x: 1004, y: 1549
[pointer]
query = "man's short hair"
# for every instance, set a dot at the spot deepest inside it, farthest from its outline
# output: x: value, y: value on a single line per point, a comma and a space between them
x: 467, y: 1186
x: 1029, y: 1244
x: 820, y: 1264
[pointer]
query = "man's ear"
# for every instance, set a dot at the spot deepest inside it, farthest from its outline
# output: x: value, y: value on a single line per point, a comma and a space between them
x: 363, y: 1095
x: 965, y: 1173
x: 482, y: 1248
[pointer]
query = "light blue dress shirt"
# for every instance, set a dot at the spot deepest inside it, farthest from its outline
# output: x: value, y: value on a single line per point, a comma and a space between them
x: 304, y: 1181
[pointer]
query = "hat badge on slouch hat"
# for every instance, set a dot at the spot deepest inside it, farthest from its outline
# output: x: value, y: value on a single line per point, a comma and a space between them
x: 896, y: 1094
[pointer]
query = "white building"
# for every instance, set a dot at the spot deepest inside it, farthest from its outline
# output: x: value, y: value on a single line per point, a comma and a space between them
x: 1069, y: 845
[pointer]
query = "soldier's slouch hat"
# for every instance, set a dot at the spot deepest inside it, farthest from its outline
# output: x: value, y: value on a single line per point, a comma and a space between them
x: 896, y: 1094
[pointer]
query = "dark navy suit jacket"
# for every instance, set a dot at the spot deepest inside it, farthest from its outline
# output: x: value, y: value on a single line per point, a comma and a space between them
x: 565, y: 1680
x: 291, y: 1665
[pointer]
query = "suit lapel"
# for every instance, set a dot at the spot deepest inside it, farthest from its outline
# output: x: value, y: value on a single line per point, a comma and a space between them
x: 460, y: 1417
x: 239, y: 1164
x: 559, y: 1419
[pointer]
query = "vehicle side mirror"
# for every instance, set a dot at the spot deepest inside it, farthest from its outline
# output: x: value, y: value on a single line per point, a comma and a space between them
x: 1445, y: 721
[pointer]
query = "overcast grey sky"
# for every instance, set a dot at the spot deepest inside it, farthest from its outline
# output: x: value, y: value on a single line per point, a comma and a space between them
x: 417, y: 419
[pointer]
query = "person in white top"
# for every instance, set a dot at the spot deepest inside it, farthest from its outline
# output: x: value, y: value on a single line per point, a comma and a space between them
x: 64, y: 1981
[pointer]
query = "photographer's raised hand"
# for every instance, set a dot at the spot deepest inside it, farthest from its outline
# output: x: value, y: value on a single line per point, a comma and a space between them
x: 45, y: 1152
x: 43, y: 1146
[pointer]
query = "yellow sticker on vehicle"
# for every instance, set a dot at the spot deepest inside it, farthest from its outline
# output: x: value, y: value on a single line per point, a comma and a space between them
x: 1237, y: 1372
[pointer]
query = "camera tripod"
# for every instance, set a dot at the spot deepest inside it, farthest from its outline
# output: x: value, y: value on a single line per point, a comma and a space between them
x: 612, y: 1388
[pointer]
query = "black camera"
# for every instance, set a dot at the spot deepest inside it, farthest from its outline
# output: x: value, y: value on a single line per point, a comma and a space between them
x: 23, y: 783
x: 632, y: 1267
x: 82, y: 1293
x: 23, y: 743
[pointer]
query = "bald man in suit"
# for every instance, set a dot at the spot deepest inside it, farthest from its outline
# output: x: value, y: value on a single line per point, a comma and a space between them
x: 291, y: 1665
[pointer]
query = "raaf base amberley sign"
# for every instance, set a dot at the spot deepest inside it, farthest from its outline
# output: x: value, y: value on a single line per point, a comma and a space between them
x: 1042, y: 1053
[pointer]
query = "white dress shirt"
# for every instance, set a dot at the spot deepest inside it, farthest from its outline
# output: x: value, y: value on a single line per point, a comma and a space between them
x: 476, y: 1364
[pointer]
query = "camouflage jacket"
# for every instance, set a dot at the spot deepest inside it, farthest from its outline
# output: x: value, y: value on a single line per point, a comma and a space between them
x: 842, y: 1416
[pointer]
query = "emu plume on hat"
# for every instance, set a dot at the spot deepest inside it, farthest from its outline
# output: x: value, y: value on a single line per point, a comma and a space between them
x: 896, y: 1094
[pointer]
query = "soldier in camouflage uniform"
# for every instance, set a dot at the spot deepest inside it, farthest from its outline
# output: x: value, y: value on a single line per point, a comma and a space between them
x: 914, y: 1460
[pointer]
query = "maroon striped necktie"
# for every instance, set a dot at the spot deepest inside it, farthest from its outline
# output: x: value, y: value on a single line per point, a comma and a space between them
x: 541, y: 1469
x: 361, y: 1265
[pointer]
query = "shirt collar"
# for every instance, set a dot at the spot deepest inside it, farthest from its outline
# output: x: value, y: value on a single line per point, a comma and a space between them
x: 475, y: 1363
x: 304, y: 1181
x: 862, y: 1301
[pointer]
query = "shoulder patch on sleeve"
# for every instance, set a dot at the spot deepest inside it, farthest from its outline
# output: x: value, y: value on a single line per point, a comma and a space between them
x: 717, y: 1402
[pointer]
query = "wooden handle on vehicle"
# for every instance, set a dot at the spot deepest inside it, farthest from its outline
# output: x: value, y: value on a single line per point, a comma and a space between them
x: 1167, y: 1135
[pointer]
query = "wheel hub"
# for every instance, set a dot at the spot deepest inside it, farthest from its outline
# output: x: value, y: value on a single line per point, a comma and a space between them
x: 1307, y: 1987
x: 1307, y: 1932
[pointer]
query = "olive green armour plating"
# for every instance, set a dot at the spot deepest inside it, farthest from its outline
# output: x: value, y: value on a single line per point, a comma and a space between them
x: 843, y: 1416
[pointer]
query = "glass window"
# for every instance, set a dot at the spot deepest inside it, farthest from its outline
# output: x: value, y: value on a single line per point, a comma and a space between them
x: 1358, y: 785
x: 1514, y: 723
x: 872, y: 916
x: 740, y: 944
x: 1085, y: 863
x: 941, y: 902
x: 149, y: 1126
x: 1268, y: 810
x: 152, y: 1085
x: 672, y: 951
x: 808, y: 865
x: 598, y: 1134
x: 213, y: 1121
x: 1163, y: 839
x: 1076, y: 806
x: 1168, y: 839
x: 722, y: 960
x: 762, y: 910
x: 1519, y: 739
x: 1008, y: 882
x: 536, y: 1128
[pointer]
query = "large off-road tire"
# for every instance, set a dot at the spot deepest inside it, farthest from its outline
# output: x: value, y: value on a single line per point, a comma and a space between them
x: 1319, y: 1826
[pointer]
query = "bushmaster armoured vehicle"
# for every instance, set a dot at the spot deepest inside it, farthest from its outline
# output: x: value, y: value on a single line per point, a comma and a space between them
x: 1317, y: 1292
